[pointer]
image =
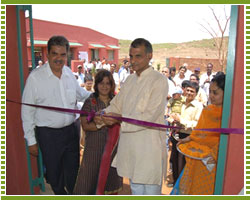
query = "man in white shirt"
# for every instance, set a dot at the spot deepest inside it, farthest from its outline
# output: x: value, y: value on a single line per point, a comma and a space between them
x: 206, y: 78
x: 141, y: 154
x: 124, y: 73
x: 181, y: 76
x: 122, y: 67
x: 201, y: 95
x: 40, y: 63
x: 85, y: 66
x: 98, y: 65
x: 54, y: 84
x: 171, y: 88
x: 113, y: 70
x: 90, y: 67
x: 188, y: 72
x: 106, y: 65
x: 80, y: 75
x: 166, y: 72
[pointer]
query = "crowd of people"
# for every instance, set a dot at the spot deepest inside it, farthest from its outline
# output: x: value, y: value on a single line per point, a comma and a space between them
x: 191, y: 96
x: 120, y: 74
x: 184, y: 100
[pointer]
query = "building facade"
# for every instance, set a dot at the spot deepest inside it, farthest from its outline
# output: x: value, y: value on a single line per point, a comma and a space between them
x: 85, y: 43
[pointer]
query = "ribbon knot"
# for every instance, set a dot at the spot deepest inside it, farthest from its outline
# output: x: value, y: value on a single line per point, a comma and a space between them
x: 90, y: 116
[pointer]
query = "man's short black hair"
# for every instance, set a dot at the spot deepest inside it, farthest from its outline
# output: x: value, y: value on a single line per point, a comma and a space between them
x: 196, y: 76
x: 142, y: 42
x: 184, y: 83
x: 88, y: 77
x: 193, y: 85
x: 58, y: 40
x: 183, y: 67
x: 210, y: 64
x: 125, y: 61
x: 172, y: 69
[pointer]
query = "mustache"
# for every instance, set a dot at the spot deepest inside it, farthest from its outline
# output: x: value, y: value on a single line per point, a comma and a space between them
x: 58, y: 61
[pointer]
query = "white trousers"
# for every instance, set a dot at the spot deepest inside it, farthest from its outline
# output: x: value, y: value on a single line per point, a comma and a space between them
x: 145, y: 189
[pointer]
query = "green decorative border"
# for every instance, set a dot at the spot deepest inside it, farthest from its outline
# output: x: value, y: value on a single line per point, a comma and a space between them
x: 237, y: 2
x: 126, y: 197
x: 3, y: 103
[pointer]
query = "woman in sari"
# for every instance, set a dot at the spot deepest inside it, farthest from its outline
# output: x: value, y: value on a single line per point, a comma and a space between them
x: 198, y: 178
x: 95, y: 141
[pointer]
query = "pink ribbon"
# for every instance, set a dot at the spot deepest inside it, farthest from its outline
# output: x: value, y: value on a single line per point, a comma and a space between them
x: 92, y: 114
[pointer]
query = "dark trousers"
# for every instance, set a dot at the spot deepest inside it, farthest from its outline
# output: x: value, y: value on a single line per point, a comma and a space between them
x: 60, y: 152
x: 176, y: 158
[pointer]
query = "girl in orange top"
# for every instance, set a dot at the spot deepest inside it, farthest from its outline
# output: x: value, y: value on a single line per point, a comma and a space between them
x: 197, y: 179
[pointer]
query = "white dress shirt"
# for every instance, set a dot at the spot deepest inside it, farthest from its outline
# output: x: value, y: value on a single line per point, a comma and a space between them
x: 99, y: 65
x: 188, y: 74
x: 44, y: 88
x: 202, y: 96
x: 178, y: 81
x: 116, y: 78
x: 124, y: 75
x: 205, y: 86
x: 90, y: 66
x: 204, y: 77
x: 106, y: 66
x: 80, y: 79
x: 171, y: 87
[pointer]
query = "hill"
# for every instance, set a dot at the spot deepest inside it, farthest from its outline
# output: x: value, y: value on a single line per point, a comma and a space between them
x: 194, y: 49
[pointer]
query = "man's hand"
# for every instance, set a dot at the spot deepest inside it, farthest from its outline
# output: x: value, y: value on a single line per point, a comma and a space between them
x: 33, y: 149
x: 170, y: 119
x: 110, y: 121
x: 176, y: 117
x: 207, y: 80
x: 98, y: 118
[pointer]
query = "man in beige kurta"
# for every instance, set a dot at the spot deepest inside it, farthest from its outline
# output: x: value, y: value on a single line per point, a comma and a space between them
x: 141, y: 155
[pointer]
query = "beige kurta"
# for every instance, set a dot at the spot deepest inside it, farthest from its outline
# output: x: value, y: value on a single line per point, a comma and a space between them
x: 141, y: 152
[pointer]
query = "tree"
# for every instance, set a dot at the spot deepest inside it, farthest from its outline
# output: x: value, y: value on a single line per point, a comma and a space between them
x: 217, y: 32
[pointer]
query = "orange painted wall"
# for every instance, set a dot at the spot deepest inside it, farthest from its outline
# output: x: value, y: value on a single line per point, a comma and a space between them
x: 75, y: 63
x: 16, y: 161
x: 234, y: 171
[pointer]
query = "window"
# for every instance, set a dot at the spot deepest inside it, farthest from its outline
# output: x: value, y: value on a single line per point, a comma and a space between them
x: 70, y: 57
x: 94, y: 54
x: 111, y: 54
x: 38, y: 55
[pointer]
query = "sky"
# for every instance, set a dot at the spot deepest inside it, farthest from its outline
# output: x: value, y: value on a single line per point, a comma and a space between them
x: 158, y: 23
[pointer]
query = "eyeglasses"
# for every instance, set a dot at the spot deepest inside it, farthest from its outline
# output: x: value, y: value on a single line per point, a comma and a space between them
x: 164, y: 72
